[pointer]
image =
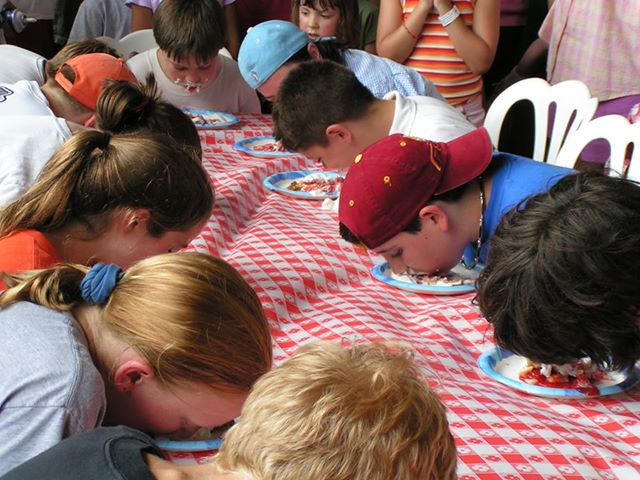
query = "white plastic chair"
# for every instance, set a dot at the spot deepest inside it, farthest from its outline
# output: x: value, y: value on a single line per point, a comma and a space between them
x: 137, y: 42
x: 573, y: 106
x: 618, y: 132
x: 111, y: 42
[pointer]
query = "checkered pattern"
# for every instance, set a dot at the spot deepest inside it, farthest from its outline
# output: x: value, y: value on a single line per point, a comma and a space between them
x: 315, y: 286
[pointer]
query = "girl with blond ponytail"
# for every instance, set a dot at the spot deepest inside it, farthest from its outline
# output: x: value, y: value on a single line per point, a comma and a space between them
x: 110, y: 198
x: 170, y: 345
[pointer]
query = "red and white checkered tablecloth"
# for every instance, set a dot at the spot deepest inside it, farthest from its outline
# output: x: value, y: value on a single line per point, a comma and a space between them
x: 315, y: 286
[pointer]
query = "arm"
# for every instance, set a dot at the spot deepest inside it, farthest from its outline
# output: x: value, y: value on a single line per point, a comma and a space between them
x: 476, y: 46
x: 141, y: 17
x: 233, y: 34
x: 393, y: 40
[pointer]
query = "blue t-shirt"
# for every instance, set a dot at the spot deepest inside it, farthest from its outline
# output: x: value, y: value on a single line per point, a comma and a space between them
x: 514, y: 179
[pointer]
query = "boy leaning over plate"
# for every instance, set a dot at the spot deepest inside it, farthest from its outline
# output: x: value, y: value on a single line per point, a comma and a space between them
x: 423, y: 205
x: 187, y: 66
x: 562, y: 280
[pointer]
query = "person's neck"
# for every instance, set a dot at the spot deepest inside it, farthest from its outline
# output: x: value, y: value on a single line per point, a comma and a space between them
x: 164, y: 470
x: 59, y: 105
x: 375, y: 124
x: 74, y: 244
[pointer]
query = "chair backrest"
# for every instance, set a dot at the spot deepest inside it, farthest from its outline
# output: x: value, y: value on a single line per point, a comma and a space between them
x: 618, y: 132
x: 136, y: 42
x: 573, y: 106
x: 111, y: 42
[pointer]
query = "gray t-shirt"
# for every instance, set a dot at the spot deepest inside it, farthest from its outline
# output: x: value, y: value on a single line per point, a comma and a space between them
x: 49, y: 387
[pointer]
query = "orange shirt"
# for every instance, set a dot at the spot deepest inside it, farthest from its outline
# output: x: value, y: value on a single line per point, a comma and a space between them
x: 26, y: 250
x: 435, y: 57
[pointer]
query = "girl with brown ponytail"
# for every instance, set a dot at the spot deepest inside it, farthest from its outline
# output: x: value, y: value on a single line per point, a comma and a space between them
x: 111, y: 198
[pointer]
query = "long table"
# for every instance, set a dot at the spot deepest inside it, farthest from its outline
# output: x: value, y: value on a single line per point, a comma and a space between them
x: 315, y: 286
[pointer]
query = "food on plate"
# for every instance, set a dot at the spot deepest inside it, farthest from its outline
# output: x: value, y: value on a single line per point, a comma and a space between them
x: 581, y: 375
x: 449, y: 279
x: 207, y: 118
x: 315, y: 184
x: 268, y: 147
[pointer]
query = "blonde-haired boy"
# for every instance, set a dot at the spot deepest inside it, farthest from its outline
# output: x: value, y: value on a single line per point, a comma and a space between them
x: 330, y: 412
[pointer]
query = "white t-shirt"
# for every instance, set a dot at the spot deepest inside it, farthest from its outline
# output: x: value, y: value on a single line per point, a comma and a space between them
x: 227, y: 93
x: 26, y: 143
x: 428, y: 118
x: 20, y: 64
x: 23, y: 98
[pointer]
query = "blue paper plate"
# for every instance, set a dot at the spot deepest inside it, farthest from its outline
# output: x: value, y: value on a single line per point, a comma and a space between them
x: 382, y: 272
x: 247, y: 145
x: 504, y: 367
x: 225, y: 119
x: 188, y: 445
x: 277, y: 182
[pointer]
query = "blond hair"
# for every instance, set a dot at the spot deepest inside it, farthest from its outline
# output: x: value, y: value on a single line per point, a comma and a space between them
x: 92, y: 175
x: 192, y: 317
x: 330, y: 412
x: 74, y: 49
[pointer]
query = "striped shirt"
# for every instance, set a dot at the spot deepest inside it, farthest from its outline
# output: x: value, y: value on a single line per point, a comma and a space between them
x: 435, y: 57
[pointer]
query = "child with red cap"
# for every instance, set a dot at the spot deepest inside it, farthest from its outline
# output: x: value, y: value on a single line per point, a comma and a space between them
x: 423, y: 205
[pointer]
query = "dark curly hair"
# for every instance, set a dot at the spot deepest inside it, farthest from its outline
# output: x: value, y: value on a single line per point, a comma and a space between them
x: 561, y: 280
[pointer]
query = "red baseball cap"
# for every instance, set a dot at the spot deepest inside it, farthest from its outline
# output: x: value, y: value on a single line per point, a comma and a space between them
x: 92, y: 71
x: 394, y: 178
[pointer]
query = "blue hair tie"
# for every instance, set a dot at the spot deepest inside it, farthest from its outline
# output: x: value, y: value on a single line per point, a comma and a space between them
x: 99, y: 282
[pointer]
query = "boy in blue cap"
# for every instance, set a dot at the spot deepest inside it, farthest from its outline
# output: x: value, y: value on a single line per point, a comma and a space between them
x: 271, y: 49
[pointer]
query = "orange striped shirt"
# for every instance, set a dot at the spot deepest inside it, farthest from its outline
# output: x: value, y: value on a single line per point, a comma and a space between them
x: 435, y: 57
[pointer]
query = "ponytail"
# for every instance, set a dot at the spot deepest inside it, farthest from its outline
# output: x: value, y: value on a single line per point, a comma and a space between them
x: 93, y: 174
x: 124, y: 107
x: 57, y: 288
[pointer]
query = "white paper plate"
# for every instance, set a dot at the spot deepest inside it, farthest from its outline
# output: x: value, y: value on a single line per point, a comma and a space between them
x: 504, y: 367
x: 278, y: 183
x: 382, y: 272
x: 223, y: 119
x: 248, y: 146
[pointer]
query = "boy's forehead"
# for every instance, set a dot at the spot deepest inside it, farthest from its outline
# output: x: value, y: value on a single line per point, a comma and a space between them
x: 192, y: 60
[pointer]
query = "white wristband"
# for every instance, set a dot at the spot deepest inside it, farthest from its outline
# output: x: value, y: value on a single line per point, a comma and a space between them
x: 447, y: 18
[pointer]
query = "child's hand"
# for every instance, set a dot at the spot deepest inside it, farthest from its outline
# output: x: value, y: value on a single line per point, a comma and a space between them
x: 425, y: 5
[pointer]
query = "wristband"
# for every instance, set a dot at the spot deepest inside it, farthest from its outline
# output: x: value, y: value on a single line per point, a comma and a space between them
x: 449, y: 17
x: 415, y: 37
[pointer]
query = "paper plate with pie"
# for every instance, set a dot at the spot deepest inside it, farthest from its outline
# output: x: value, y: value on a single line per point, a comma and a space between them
x: 578, y: 380
x: 306, y: 184
x: 458, y: 281
x: 263, y: 147
x: 211, y: 118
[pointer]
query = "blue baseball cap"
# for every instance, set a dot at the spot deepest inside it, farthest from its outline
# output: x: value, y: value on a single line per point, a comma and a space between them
x: 267, y: 47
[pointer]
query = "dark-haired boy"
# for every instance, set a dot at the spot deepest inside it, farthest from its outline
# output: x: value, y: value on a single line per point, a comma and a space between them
x: 186, y: 64
x: 423, y: 205
x: 561, y: 281
x: 323, y: 111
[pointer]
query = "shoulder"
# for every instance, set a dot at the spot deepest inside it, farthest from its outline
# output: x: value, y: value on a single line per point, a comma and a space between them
x: 27, y: 250
x: 144, y: 63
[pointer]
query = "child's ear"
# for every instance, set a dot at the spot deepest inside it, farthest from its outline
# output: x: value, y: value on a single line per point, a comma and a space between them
x: 314, y: 53
x: 134, y: 218
x: 90, y: 122
x: 433, y: 216
x: 337, y: 131
x: 131, y: 374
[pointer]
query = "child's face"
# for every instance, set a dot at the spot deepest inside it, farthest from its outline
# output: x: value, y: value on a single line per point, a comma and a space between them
x: 269, y: 88
x: 176, y: 411
x: 126, y: 245
x: 320, y: 22
x: 338, y: 153
x: 428, y: 251
x: 189, y: 72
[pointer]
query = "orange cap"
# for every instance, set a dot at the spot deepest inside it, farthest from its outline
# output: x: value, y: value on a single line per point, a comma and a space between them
x: 91, y: 73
